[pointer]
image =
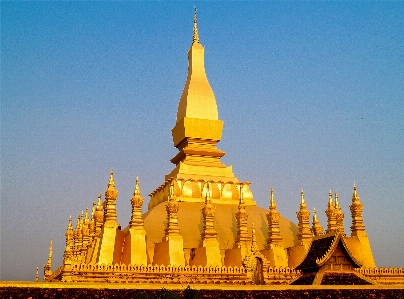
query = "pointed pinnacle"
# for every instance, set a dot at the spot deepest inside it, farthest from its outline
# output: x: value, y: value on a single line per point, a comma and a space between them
x: 302, y: 202
x: 111, y: 182
x: 137, y: 188
x: 336, y: 200
x: 315, y: 220
x: 195, y: 38
x: 272, y: 203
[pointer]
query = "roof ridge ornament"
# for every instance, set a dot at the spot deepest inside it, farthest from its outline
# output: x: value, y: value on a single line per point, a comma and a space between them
x: 195, y: 38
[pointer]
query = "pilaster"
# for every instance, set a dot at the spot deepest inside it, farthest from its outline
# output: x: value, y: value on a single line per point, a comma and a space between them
x: 134, y: 251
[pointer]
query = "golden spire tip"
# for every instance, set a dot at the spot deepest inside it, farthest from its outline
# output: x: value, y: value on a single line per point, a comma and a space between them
x: 196, y: 36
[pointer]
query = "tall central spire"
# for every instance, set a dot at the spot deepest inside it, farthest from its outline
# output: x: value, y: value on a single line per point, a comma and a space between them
x: 196, y: 133
x: 198, y: 128
x: 197, y: 99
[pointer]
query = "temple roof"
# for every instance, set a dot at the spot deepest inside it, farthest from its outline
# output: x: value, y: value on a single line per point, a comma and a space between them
x: 322, y: 248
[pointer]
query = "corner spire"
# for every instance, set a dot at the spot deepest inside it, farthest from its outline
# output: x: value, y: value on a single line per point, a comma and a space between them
x: 357, y: 228
x: 274, y: 235
x: 47, y: 271
x: 195, y: 38
x: 331, y: 213
x: 317, y: 229
x: 110, y: 200
x: 304, y: 234
x: 136, y: 220
x: 339, y: 215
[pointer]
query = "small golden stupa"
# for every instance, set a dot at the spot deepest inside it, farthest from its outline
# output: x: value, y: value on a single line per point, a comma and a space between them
x: 202, y: 223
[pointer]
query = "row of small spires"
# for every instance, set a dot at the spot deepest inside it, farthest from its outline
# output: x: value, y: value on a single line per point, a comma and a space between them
x: 86, y: 230
x: 335, y: 209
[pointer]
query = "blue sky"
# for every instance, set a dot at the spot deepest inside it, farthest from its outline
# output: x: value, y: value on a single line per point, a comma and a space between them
x: 311, y: 93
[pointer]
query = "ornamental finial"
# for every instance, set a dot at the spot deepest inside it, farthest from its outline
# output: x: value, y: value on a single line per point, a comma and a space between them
x: 70, y: 225
x: 196, y: 36
x: 336, y: 201
x: 111, y: 179
x: 330, y: 201
x: 272, y: 203
x: 355, y: 193
x: 137, y: 188
x: 302, y: 201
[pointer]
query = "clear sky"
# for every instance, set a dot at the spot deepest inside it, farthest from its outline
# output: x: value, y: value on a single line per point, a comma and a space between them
x: 311, y: 93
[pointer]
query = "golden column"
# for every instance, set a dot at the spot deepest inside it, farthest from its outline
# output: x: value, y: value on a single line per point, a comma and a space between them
x: 134, y: 251
x: 171, y: 250
x: 86, y: 234
x: 331, y: 215
x: 209, y: 252
x: 274, y: 250
x: 274, y: 233
x: 358, y: 230
x: 69, y: 240
x: 47, y: 269
x: 339, y: 216
x: 242, y: 231
x: 77, y: 238
x: 67, y: 256
x: 304, y: 236
x: 108, y: 234
x: 98, y: 217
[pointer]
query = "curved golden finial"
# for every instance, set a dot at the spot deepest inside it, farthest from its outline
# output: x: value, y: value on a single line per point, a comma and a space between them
x: 137, y: 188
x: 315, y: 220
x: 195, y: 37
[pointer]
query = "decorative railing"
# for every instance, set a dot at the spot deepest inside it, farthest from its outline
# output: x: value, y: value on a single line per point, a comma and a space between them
x: 383, y: 275
x: 157, y: 274
x: 280, y: 275
x: 172, y: 274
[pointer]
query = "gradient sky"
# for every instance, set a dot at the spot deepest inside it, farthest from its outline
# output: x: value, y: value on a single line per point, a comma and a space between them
x: 311, y: 93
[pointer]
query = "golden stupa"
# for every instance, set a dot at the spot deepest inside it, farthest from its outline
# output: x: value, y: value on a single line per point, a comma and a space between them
x: 203, y: 225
